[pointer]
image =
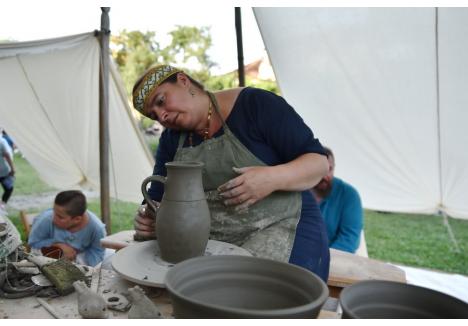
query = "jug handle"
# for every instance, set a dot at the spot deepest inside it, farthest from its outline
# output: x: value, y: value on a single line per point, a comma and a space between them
x: 145, y: 182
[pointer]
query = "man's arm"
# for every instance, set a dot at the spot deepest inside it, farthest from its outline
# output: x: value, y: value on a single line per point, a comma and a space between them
x: 351, y: 222
x: 94, y: 254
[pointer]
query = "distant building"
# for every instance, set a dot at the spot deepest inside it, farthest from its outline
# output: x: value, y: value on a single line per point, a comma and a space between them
x: 260, y: 69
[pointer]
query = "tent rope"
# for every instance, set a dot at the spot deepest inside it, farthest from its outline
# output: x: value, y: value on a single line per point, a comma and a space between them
x: 439, y: 145
x: 450, y: 232
x: 439, y: 149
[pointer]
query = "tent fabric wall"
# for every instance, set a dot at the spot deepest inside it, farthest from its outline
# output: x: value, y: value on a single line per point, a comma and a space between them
x: 453, y: 54
x: 385, y: 88
x: 49, y: 103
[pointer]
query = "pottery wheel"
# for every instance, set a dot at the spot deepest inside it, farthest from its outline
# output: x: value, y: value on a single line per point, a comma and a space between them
x: 141, y: 262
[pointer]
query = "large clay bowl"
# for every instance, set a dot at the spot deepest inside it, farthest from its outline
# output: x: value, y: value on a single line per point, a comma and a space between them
x: 385, y: 299
x: 243, y: 287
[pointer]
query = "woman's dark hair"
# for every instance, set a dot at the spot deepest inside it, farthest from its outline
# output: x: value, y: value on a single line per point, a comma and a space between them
x: 74, y: 202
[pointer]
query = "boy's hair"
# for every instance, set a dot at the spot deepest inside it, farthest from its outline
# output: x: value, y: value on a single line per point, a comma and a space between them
x: 74, y: 202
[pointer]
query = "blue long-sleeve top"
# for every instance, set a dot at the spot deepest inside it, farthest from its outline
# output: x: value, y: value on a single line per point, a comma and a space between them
x: 263, y: 122
x: 342, y: 211
x: 87, y: 240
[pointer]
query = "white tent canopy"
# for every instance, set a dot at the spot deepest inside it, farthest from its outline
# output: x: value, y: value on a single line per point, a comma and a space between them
x: 386, y: 89
x: 49, y: 103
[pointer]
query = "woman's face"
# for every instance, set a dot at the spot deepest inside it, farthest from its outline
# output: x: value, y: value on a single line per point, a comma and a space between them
x: 172, y: 105
x: 63, y: 220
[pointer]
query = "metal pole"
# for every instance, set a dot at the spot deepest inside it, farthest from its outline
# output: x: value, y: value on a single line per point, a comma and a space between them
x: 240, y: 50
x: 104, y: 35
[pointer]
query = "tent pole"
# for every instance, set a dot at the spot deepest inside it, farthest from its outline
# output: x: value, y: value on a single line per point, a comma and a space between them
x: 104, y: 34
x: 240, y: 50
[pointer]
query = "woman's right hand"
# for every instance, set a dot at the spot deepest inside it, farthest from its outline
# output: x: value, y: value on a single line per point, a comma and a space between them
x: 144, y: 223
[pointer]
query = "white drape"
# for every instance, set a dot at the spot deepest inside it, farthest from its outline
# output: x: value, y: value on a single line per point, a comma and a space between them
x: 49, y: 104
x: 386, y: 89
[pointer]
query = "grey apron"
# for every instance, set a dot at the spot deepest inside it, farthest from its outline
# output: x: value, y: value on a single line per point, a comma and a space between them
x: 267, y: 228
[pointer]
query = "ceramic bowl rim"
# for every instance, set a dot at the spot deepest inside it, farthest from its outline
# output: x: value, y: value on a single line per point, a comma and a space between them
x: 271, y: 313
x: 345, y: 305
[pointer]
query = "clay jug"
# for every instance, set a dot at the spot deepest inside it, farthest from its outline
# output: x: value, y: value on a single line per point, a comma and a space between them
x: 183, y: 216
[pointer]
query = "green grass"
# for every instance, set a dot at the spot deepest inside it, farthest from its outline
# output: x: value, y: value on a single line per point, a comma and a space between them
x: 27, y: 179
x: 407, y: 239
x: 14, y: 217
x: 417, y: 240
x: 122, y: 213
x: 29, y: 183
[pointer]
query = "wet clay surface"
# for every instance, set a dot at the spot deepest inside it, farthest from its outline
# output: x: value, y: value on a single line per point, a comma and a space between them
x: 142, y: 264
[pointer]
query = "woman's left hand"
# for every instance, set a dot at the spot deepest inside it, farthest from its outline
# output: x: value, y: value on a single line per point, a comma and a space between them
x: 252, y: 185
x: 256, y: 182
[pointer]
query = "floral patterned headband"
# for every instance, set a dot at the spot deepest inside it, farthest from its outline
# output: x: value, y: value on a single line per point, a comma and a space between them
x: 152, y: 79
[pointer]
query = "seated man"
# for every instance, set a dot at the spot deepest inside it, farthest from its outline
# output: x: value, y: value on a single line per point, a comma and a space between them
x: 341, y: 208
x: 69, y: 228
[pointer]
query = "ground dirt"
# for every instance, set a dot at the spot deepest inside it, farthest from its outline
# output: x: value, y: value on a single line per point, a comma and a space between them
x: 39, y: 201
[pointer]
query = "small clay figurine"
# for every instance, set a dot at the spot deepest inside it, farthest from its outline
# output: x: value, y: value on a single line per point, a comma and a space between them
x: 142, y: 306
x: 90, y: 304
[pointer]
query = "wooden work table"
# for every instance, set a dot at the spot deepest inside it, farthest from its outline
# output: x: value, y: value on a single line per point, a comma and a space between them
x: 109, y: 284
x: 345, y: 268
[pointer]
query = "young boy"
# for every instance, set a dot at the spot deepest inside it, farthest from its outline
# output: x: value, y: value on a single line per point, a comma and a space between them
x: 69, y: 228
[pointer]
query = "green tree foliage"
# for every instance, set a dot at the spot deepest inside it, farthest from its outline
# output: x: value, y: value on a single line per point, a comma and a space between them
x: 268, y: 85
x: 220, y: 82
x: 135, y: 51
x: 231, y: 80
x: 190, y: 46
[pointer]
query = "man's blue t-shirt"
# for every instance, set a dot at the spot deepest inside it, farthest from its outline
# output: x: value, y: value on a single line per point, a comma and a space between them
x: 272, y: 130
x: 87, y: 240
x: 342, y: 211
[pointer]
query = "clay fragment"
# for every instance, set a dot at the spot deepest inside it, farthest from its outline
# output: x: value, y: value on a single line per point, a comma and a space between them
x: 90, y: 304
x: 142, y: 306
